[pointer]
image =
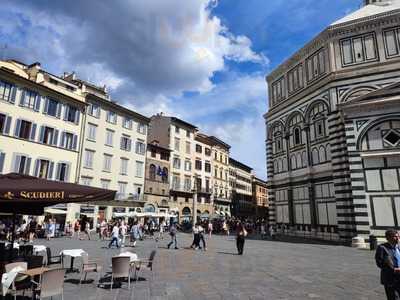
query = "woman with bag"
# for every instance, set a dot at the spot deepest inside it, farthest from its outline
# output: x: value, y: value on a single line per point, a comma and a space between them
x: 241, y: 233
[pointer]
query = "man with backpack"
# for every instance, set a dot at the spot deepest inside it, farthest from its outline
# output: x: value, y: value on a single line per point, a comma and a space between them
x: 172, y: 233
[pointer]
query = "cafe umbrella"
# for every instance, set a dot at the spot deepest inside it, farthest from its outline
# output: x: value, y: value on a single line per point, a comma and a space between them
x: 23, y: 194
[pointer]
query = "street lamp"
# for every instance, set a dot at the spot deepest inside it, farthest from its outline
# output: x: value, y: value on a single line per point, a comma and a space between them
x: 195, y: 191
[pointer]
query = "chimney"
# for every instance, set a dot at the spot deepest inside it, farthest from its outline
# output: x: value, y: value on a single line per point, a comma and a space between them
x: 33, y: 70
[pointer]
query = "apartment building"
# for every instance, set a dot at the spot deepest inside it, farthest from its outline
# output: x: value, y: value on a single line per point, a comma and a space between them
x: 113, y: 151
x: 202, y: 156
x: 260, y: 198
x: 242, y: 191
x: 221, y: 188
x: 179, y: 136
x: 41, y: 124
x: 333, y: 129
x: 156, y: 185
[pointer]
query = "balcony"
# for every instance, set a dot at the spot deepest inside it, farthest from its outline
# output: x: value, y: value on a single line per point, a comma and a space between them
x: 129, y: 197
x: 204, y: 191
x: 181, y: 188
x: 157, y: 181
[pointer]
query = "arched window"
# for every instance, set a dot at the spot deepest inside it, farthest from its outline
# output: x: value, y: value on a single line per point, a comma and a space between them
x: 186, y: 211
x: 295, y: 125
x: 152, y: 172
x: 317, y: 120
x: 297, y: 136
x: 149, y: 208
x: 164, y: 176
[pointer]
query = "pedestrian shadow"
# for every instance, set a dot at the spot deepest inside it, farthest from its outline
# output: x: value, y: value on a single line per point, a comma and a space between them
x: 226, y: 253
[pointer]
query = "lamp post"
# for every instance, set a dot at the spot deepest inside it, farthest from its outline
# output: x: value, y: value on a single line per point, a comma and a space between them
x: 195, y: 190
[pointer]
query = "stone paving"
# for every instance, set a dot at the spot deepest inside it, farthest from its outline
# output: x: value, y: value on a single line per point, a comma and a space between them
x: 267, y: 270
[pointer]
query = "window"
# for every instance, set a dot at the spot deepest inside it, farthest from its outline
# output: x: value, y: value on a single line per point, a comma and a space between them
x: 109, y: 137
x: 295, y: 79
x: 140, y: 147
x: 139, y: 169
x: 320, y: 128
x: 198, y: 184
x: 94, y: 110
x: 122, y: 189
x: 358, y: 49
x: 7, y: 91
x: 187, y: 133
x: 176, y: 163
x: 107, y: 162
x: 52, y: 108
x: 175, y: 182
x: 30, y: 99
x: 111, y: 117
x: 176, y: 129
x: 187, y: 147
x: 164, y: 175
x: 316, y: 65
x: 91, y: 132
x: 188, y: 165
x: 215, y: 155
x: 164, y: 156
x: 71, y: 114
x: 21, y: 164
x: 177, y: 142
x: 152, y: 172
x: 2, y: 158
x: 69, y: 141
x: 153, y: 153
x: 88, y: 162
x: 25, y: 130
x: 125, y: 143
x: 198, y: 165
x: 207, y: 167
x: 277, y: 90
x: 86, y: 181
x: 198, y: 148
x: 48, y: 135
x: 44, y: 168
x: 187, y: 184
x: 207, y: 151
x: 391, y: 38
x: 127, y: 123
x: 62, y: 172
x: 142, y: 128
x: 105, y: 184
x: 5, y: 122
x: 124, y: 166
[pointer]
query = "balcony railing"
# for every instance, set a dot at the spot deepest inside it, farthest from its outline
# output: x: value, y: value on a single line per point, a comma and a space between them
x: 182, y: 188
x: 129, y: 197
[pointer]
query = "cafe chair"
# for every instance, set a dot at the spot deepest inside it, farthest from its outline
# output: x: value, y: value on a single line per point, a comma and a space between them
x: 120, y: 269
x: 89, y: 266
x: 147, y: 264
x: 21, y: 282
x: 34, y: 261
x: 51, y: 284
x: 25, y: 250
x: 52, y: 260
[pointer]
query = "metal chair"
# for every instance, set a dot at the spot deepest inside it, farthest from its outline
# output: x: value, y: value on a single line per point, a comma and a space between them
x: 120, y: 269
x: 21, y: 282
x: 52, y: 260
x: 148, y: 264
x: 51, y: 283
x: 34, y: 261
x: 89, y: 266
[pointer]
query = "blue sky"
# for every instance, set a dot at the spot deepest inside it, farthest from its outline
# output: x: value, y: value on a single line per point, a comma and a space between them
x: 202, y: 60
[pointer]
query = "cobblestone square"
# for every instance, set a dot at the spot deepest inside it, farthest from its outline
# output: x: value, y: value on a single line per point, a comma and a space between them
x: 267, y: 270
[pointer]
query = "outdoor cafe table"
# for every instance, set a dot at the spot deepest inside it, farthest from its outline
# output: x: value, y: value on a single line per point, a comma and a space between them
x: 73, y: 253
x: 133, y: 259
x: 35, y: 271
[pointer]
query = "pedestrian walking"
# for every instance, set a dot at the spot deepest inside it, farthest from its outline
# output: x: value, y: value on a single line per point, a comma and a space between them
x: 172, y: 233
x: 135, y: 233
x: 387, y: 258
x: 201, y: 237
x: 103, y: 230
x: 210, y: 228
x: 114, y: 236
x: 124, y: 230
x: 51, y: 229
x: 241, y: 233
x: 196, y: 237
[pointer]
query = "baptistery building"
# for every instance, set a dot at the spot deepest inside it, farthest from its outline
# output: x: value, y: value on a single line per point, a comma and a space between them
x: 333, y: 130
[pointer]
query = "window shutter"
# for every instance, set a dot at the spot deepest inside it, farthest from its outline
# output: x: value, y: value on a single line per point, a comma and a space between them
x: 22, y: 100
x: 62, y: 144
x: 17, y: 128
x: 55, y: 137
x: 121, y: 143
x: 38, y: 98
x: 98, y: 112
x: 2, y: 156
x: 46, y: 105
x: 36, y: 169
x: 66, y: 110
x: 74, y: 142
x: 129, y: 144
x: 50, y: 173
x: 67, y: 167
x: 28, y: 165
x: 16, y: 162
x: 77, y: 116
x: 33, y: 132
x: 41, y: 134
x: 7, y: 127
x: 13, y: 94
x: 58, y: 170
x: 59, y: 106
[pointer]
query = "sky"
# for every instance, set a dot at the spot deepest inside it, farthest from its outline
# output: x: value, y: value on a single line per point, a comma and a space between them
x: 204, y: 61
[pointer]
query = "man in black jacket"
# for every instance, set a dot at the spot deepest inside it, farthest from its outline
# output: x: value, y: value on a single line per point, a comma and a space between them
x: 387, y: 258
